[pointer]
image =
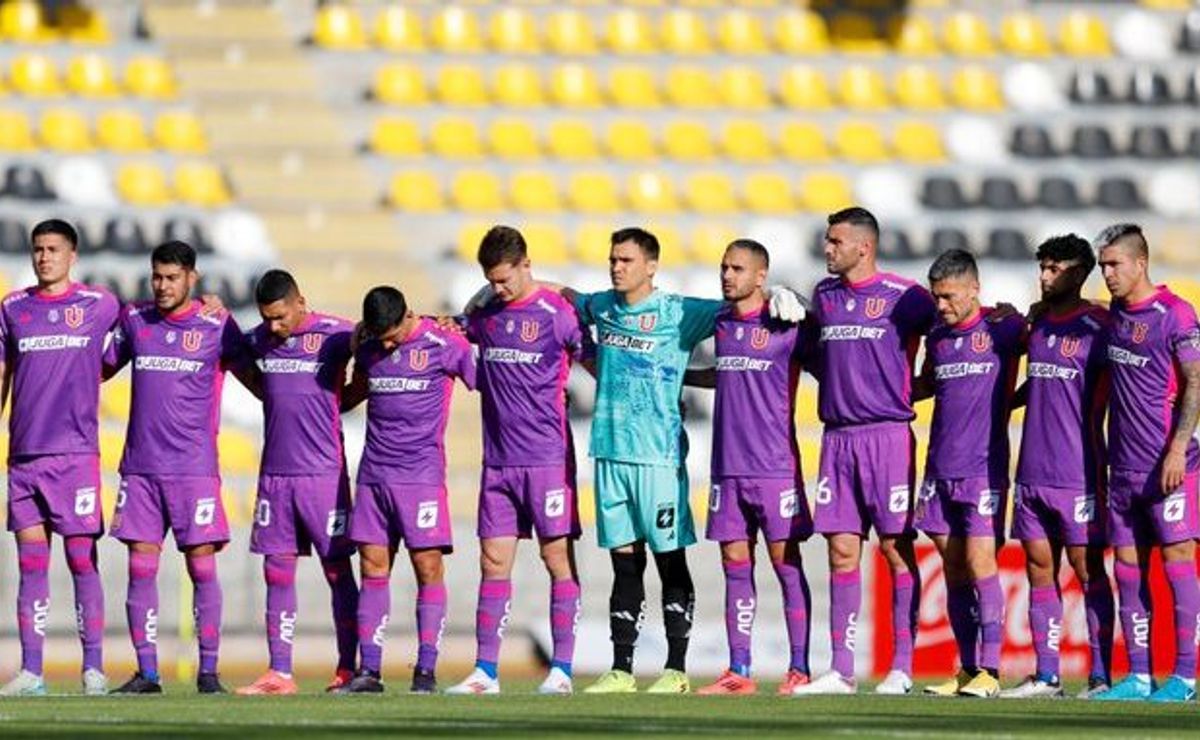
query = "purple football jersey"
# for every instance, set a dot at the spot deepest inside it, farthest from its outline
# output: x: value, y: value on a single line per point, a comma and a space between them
x: 408, y: 403
x: 302, y: 379
x: 1062, y: 441
x: 867, y: 335
x: 525, y: 353
x: 974, y: 367
x: 178, y: 365
x: 1146, y: 343
x: 54, y: 348
x: 758, y: 367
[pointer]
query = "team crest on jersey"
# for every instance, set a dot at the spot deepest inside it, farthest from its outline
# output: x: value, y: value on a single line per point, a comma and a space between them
x: 312, y: 342
x: 52, y: 316
x: 851, y: 304
x: 1051, y: 341
x: 739, y: 334
x: 759, y: 337
x: 418, y: 359
x: 191, y: 340
x: 170, y: 337
x: 73, y: 316
x: 1140, y: 330
x: 1069, y: 346
x: 981, y: 342
x: 647, y: 321
x: 874, y: 307
x: 958, y: 343
x: 529, y: 331
x: 508, y: 326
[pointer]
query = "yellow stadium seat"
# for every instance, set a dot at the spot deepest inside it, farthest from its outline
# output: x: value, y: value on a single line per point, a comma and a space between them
x: 593, y: 192
x: 455, y: 137
x: 741, y: 32
x: 513, y: 139
x: 400, y: 84
x: 803, y: 141
x: 687, y: 86
x: 201, y: 184
x: 746, y: 140
x: 913, y: 35
x: 672, y: 250
x: 476, y: 190
x: 768, y: 192
x: 857, y: 33
x: 16, y: 132
x: 64, y: 130
x: 121, y: 130
x: 237, y: 451
x: 803, y: 87
x: 469, y: 237
x: 149, y: 77
x: 180, y: 131
x: 743, y: 88
x: 573, y: 140
x: 825, y: 192
x: 396, y: 137
x: 863, y: 88
x: 976, y: 88
x: 512, y: 31
x: 1024, y: 35
x: 416, y: 191
x: 593, y: 243
x: 687, y: 140
x: 919, y: 88
x: 91, y: 76
x: 709, y: 192
x: 1082, y: 34
x: 651, y: 192
x: 518, y: 86
x: 83, y: 25
x: 546, y: 244
x: 461, y: 84
x: 143, y: 184
x: 574, y: 85
x: 23, y: 21
x: 918, y: 142
x: 115, y: 396
x: 860, y: 142
x: 630, y: 139
x: 569, y: 32
x: 628, y: 31
x: 455, y: 30
x: 683, y: 32
x: 339, y: 27
x: 799, y: 31
x: 709, y: 241
x: 34, y: 75
x: 633, y: 86
x: 535, y: 191
x: 967, y: 35
x: 398, y: 28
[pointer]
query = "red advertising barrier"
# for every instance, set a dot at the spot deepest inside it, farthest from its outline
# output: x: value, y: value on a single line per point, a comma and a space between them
x: 936, y: 654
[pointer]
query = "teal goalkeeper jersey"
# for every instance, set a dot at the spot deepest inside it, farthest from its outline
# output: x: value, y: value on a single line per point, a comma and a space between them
x: 642, y: 353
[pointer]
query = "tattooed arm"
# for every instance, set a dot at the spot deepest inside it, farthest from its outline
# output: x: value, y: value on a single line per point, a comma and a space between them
x: 1175, y: 463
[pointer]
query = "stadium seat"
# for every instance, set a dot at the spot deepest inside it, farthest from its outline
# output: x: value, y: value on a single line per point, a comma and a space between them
x: 1192, y: 149
x: 913, y: 35
x: 25, y: 182
x: 688, y: 86
x: 863, y: 88
x: 857, y: 33
x: 768, y: 193
x: 121, y: 130
x: 398, y: 29
x: 400, y: 84
x: 803, y: 141
x: 1091, y: 87
x: 746, y: 140
x: 455, y: 137
x: 740, y: 32
x: 592, y: 244
x: 1174, y: 192
x: 942, y: 193
x: 976, y: 88
x: 14, y: 237
x: 709, y: 241
x: 1032, y: 142
x: 1024, y: 35
x: 976, y: 140
x: 1000, y: 194
x: 967, y: 35
x: 339, y: 27
x: 455, y: 30
x: 1149, y: 87
x: 83, y: 25
x: 512, y: 31
x: 396, y: 137
x: 572, y: 140
x: 687, y: 140
x: 1141, y: 34
x: 684, y: 32
x: 918, y: 142
x: 64, y: 130
x: 83, y: 181
x: 1081, y: 34
x: 709, y: 192
x: 1151, y: 142
x: 416, y: 191
x: 945, y: 238
x: 16, y: 132
x: 180, y: 132
x: 188, y: 230
x: 569, y: 33
x: 860, y: 142
x: 801, y: 32
x: 825, y: 192
x: 469, y: 237
x: 534, y: 191
x: 461, y: 84
x: 1009, y: 244
x: 237, y: 451
x: 547, y: 245
x: 24, y: 22
x: 1032, y: 87
x: 919, y: 88
x: 91, y: 76
x: 671, y: 243
x: 1192, y: 94
x: 889, y: 192
x: 574, y: 85
x: 143, y: 184
x: 513, y: 139
x: 1093, y: 142
x: 895, y: 245
x: 803, y: 87
x: 628, y: 31
x: 1057, y: 193
x: 633, y: 86
x: 1189, y: 33
x: 593, y: 192
x: 518, y: 86
x: 651, y: 192
x: 201, y: 184
x: 149, y: 77
x: 476, y: 191
x: 743, y: 88
x: 1118, y: 194
x: 630, y: 139
x: 34, y: 75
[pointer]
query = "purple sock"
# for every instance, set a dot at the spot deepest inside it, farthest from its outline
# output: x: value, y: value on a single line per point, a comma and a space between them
x: 845, y: 598
x: 491, y: 616
x: 1135, y: 615
x: 141, y: 609
x: 344, y: 600
x: 906, y: 592
x: 280, y: 574
x: 374, y: 605
x: 431, y: 618
x: 89, y: 599
x: 740, y: 604
x: 564, y: 615
x: 963, y: 609
x: 797, y: 601
x: 991, y: 621
x: 1182, y: 577
x: 206, y: 607
x: 1045, y: 622
x: 33, y: 602
x: 1100, y: 610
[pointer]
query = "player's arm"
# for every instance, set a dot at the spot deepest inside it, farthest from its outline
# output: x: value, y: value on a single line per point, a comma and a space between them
x: 354, y: 392
x: 701, y: 377
x: 237, y: 357
x: 117, y: 349
x: 250, y: 376
x: 1020, y: 397
x: 1175, y: 462
x: 922, y: 385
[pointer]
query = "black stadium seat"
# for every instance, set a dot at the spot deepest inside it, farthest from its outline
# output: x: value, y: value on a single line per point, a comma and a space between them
x: 945, y: 238
x: 124, y: 235
x: 1193, y: 144
x: 1000, y: 194
x: 1118, y: 194
x: 943, y: 193
x: 1033, y: 142
x: 25, y: 182
x: 1058, y: 194
x: 1093, y: 142
x: 1192, y: 94
x: 1091, y: 87
x: 1149, y: 87
x: 1151, y: 142
x: 1189, y: 33
x: 895, y: 245
x: 14, y: 237
x: 186, y: 230
x: 1008, y: 244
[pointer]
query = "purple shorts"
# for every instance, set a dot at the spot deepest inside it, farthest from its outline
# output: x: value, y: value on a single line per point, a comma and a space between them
x: 739, y: 508
x: 296, y: 513
x: 516, y: 501
x: 61, y: 490
x: 1139, y: 513
x: 866, y: 480
x: 963, y: 507
x: 1066, y: 516
x: 388, y: 513
x: 147, y: 505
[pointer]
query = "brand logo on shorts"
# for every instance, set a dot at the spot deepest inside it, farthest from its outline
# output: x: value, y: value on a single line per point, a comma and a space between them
x: 647, y: 321
x: 759, y: 337
x: 1069, y: 346
x: 73, y: 316
x: 556, y: 502
x: 898, y: 498
x: 529, y: 331
x: 1174, y: 507
x: 418, y: 359
x: 714, y: 498
x: 1139, y: 332
x: 874, y: 307
x: 665, y: 518
x: 989, y: 501
x: 1085, y: 509
x: 981, y: 342
x: 206, y: 511
x: 85, y: 501
x: 191, y: 340
x: 313, y: 342
x: 335, y: 525
x: 427, y: 514
x: 789, y: 504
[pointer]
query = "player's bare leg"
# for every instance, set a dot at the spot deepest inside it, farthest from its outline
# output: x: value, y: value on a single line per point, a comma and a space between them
x: 430, y: 571
x: 558, y: 556
x: 1088, y: 564
x: 374, y: 608
x: 33, y: 609
x: 906, y: 595
x: 845, y: 600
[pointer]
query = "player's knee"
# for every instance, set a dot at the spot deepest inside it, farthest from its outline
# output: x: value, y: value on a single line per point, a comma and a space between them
x: 81, y: 555
x: 557, y: 558
x: 494, y: 566
x: 844, y: 554
x: 428, y: 567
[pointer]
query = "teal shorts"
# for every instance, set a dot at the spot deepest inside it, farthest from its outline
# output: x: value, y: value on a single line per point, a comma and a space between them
x: 643, y: 503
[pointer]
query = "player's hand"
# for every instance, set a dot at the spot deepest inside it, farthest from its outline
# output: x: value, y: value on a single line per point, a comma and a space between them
x: 482, y: 297
x: 452, y: 324
x: 1173, y: 470
x: 357, y: 337
x: 786, y: 304
x: 211, y: 304
x: 1001, y: 312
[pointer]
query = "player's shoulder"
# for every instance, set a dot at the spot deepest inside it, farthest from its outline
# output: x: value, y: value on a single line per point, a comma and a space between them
x: 551, y: 302
x: 97, y: 294
x: 436, y: 335
x: 17, y: 296
x: 1176, y: 305
x: 828, y: 284
x: 900, y: 286
x: 1096, y: 317
x: 330, y: 324
x: 137, y: 309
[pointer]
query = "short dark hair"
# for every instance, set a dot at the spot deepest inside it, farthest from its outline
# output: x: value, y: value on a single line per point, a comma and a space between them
x: 856, y: 216
x: 174, y: 252
x: 56, y: 226
x: 383, y: 308
x: 754, y: 248
x: 1068, y: 248
x: 274, y: 285
x: 501, y: 245
x: 1126, y: 232
x: 953, y: 263
x: 644, y: 239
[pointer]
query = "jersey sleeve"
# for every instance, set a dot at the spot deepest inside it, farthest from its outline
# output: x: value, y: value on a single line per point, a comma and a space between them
x: 585, y: 307
x: 698, y: 320
x: 915, y: 312
x: 117, y: 351
x: 235, y: 350
x: 573, y: 335
x: 1184, y: 336
x: 463, y: 364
